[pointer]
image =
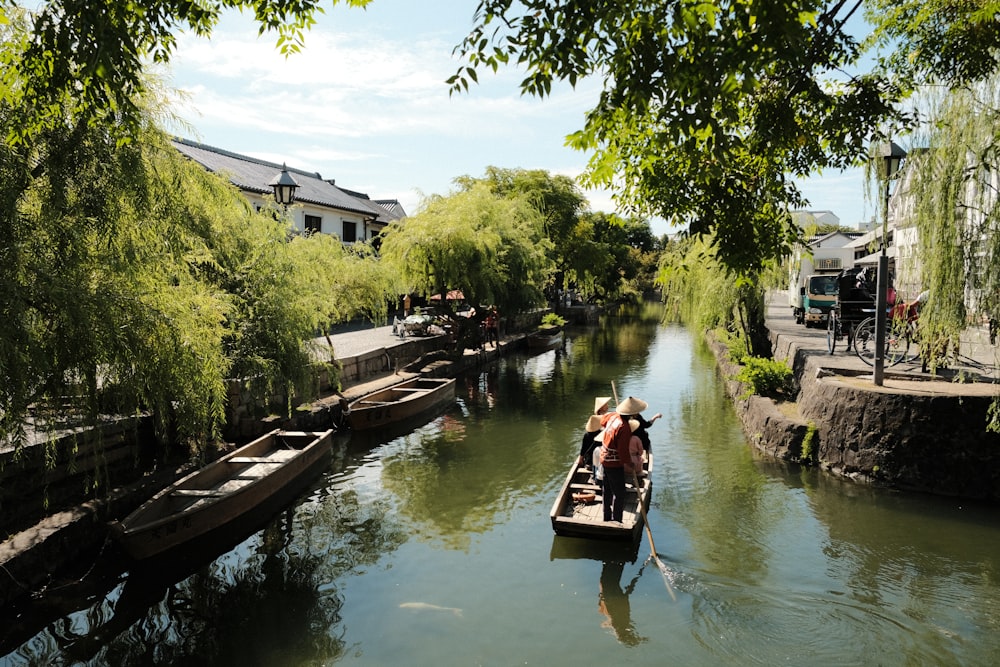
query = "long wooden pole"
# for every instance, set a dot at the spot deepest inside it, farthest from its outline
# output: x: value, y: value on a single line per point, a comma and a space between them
x: 645, y: 519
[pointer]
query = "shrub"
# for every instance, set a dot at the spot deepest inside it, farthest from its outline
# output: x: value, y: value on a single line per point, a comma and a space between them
x: 552, y: 320
x: 808, y: 444
x: 735, y: 343
x: 765, y: 377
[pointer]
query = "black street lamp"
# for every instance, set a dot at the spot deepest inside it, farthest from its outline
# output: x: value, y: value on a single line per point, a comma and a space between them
x: 892, y: 155
x: 284, y: 187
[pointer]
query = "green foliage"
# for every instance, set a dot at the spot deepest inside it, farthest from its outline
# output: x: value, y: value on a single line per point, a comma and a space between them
x: 736, y: 344
x: 700, y: 292
x: 938, y: 40
x: 600, y: 256
x: 707, y: 108
x: 133, y: 280
x: 954, y: 211
x: 993, y: 417
x: 89, y: 57
x: 492, y: 248
x: 808, y: 443
x: 552, y: 320
x: 764, y: 377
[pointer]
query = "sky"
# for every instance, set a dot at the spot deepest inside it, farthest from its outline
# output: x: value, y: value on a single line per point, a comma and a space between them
x: 365, y: 103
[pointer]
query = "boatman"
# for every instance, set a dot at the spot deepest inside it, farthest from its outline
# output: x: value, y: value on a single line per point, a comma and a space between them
x: 615, y: 459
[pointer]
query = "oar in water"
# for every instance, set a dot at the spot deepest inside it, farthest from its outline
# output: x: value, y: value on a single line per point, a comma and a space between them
x: 649, y: 534
x: 645, y: 520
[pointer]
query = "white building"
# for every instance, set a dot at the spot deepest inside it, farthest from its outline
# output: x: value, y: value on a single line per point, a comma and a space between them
x: 320, y: 206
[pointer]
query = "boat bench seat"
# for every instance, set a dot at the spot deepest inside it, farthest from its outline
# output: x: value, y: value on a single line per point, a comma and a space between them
x: 375, y: 402
x: 253, y: 459
x: 588, y: 487
x: 198, y: 493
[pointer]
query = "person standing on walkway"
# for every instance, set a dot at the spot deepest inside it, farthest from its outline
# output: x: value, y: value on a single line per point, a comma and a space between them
x: 493, y: 327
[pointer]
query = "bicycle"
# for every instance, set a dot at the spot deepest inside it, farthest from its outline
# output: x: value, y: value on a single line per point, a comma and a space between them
x: 898, y: 335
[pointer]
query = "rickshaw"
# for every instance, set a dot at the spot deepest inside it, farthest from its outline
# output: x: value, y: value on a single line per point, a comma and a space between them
x: 855, y: 303
x: 854, y: 316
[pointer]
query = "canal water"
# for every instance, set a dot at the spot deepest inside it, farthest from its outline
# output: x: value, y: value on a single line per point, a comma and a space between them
x: 433, y: 546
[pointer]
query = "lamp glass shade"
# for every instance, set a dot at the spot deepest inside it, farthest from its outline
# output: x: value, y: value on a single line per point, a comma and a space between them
x: 893, y: 156
x: 284, y: 185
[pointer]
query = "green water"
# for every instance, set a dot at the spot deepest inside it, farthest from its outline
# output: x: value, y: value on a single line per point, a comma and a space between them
x: 433, y: 547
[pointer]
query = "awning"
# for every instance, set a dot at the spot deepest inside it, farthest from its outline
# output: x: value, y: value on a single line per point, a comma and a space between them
x: 453, y: 295
x: 872, y: 259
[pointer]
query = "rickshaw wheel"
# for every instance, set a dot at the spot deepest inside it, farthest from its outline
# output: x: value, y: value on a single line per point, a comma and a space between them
x: 831, y: 331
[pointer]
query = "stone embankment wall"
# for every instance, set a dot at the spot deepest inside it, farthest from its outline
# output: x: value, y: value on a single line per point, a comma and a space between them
x: 931, y: 440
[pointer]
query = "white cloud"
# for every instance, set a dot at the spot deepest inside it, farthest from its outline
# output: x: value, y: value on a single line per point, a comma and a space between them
x: 365, y: 102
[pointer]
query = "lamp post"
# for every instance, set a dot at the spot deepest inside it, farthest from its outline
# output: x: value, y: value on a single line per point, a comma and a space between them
x: 892, y: 155
x: 284, y: 186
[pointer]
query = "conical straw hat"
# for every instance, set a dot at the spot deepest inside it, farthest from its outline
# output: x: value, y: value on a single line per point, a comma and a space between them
x: 632, y: 406
x: 594, y: 424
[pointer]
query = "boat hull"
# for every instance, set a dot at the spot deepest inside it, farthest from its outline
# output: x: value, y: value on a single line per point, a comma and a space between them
x: 239, y: 484
x: 400, y: 402
x: 581, y: 518
x: 544, y: 341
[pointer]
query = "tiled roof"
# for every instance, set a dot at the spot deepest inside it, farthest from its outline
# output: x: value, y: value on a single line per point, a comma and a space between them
x: 393, y: 209
x: 253, y: 175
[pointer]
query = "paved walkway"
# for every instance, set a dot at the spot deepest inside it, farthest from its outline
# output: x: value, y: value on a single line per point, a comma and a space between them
x: 977, y: 358
x: 358, y: 339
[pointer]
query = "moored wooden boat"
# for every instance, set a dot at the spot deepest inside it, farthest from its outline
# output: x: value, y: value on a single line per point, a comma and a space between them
x: 399, y: 402
x: 544, y: 339
x: 220, y: 493
x: 575, y: 513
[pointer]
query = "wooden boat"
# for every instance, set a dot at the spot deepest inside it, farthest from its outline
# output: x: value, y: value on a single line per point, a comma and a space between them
x: 246, y: 479
x: 399, y: 402
x: 578, y: 510
x: 545, y: 339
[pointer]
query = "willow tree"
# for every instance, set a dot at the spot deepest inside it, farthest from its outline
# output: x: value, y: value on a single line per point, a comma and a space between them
x: 491, y: 248
x: 706, y: 296
x: 558, y: 199
x: 133, y: 280
x: 954, y: 192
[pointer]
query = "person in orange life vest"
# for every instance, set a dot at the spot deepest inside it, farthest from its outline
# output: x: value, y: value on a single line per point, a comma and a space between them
x: 615, y: 459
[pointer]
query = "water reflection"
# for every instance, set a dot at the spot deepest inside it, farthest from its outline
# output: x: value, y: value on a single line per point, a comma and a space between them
x: 614, y: 604
x: 771, y: 563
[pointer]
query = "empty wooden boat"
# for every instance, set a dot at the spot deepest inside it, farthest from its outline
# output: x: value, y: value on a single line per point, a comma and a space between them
x: 246, y: 479
x: 545, y: 339
x: 400, y: 402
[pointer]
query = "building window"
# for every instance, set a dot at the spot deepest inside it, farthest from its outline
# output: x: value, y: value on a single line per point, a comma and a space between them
x: 314, y: 224
x: 350, y: 232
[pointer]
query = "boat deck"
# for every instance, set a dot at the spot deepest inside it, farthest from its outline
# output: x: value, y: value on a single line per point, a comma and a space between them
x: 585, y: 517
x: 255, y: 468
x: 592, y: 511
